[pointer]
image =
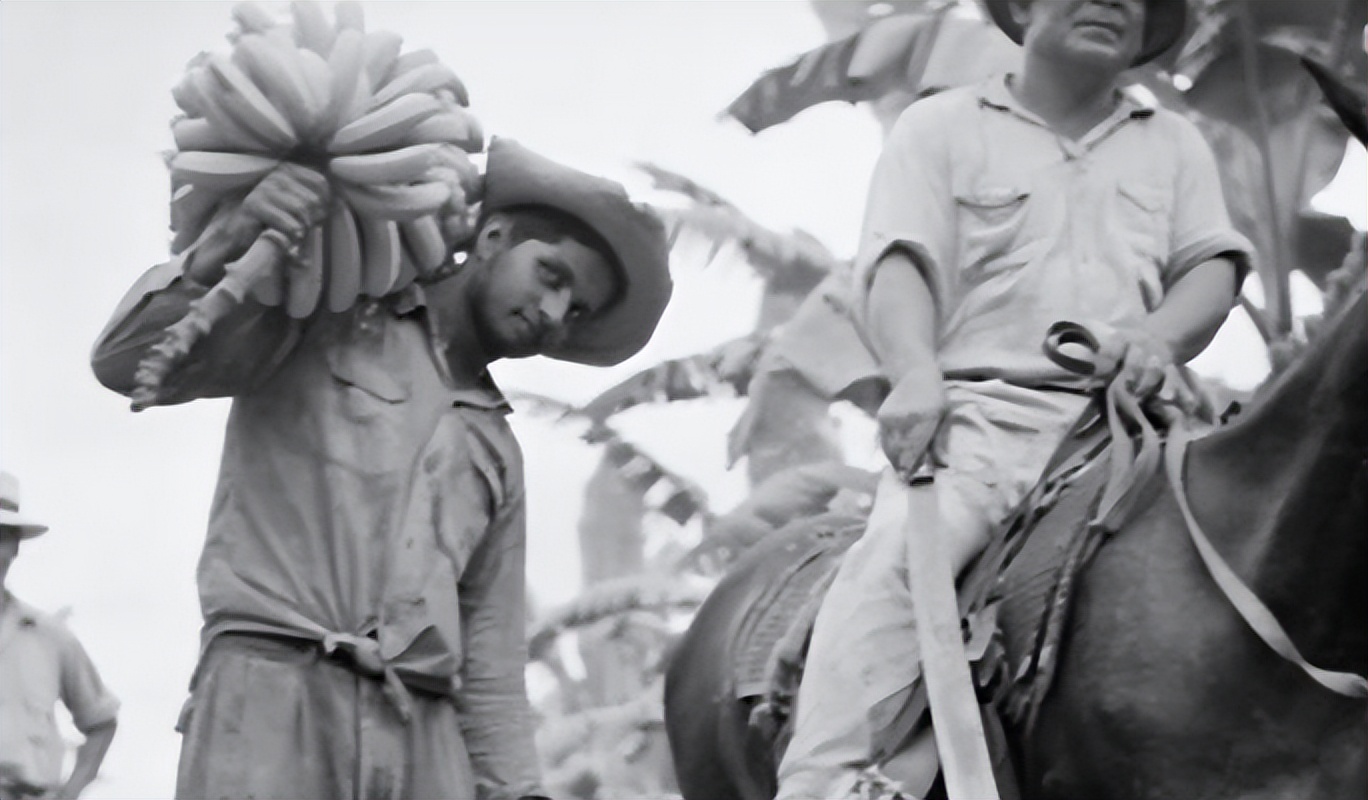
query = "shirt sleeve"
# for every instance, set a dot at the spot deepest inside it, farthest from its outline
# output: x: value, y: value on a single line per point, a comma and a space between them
x: 496, y: 716
x: 87, y: 698
x: 910, y: 204
x: 240, y: 352
x: 1200, y: 223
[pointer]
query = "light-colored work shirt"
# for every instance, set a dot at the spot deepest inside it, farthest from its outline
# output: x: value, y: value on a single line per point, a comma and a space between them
x: 360, y: 496
x: 41, y: 663
x: 1016, y: 227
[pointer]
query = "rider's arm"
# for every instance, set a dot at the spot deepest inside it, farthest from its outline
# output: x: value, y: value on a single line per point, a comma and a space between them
x: 901, y: 326
x: 1194, y: 308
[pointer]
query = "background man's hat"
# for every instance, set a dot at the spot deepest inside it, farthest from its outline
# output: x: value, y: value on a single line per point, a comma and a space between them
x: 1164, y: 21
x: 515, y: 176
x: 9, y: 509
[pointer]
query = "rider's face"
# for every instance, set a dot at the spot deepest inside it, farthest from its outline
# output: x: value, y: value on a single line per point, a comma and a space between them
x: 1106, y: 34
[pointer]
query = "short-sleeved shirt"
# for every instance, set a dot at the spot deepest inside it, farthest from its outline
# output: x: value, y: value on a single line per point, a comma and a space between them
x: 41, y: 662
x: 1016, y: 227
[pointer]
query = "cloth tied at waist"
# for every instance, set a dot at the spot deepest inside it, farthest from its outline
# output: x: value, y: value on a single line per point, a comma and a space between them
x: 363, y: 652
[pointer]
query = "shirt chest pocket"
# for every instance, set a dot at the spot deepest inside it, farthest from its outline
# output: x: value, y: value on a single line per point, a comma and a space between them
x: 992, y: 222
x: 1142, y: 220
x: 367, y: 405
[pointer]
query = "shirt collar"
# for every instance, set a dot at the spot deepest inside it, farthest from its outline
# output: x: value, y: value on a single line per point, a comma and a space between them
x: 485, y: 394
x: 20, y: 612
x: 994, y: 93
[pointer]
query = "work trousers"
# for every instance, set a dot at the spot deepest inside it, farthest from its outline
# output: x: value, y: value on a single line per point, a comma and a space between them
x: 991, y: 449
x: 270, y: 718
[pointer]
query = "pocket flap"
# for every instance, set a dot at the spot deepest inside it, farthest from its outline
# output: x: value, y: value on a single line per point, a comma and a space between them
x: 992, y: 197
x: 367, y: 374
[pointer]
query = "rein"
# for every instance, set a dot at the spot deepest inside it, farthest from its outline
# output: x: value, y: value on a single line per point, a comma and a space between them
x: 1075, y: 347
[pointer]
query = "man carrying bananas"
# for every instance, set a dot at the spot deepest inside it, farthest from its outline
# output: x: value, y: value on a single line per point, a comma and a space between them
x: 995, y: 211
x: 362, y: 580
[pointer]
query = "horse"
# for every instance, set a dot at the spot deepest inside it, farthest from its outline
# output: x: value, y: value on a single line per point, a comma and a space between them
x: 1162, y: 689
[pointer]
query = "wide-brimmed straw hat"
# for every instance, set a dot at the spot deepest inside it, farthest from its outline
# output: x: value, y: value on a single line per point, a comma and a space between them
x: 9, y: 509
x: 1164, y: 21
x: 516, y: 176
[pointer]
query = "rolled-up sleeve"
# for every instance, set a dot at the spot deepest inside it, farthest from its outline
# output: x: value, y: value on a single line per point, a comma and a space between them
x: 1200, y: 224
x: 87, y: 698
x: 910, y: 203
x: 240, y: 352
x: 496, y: 716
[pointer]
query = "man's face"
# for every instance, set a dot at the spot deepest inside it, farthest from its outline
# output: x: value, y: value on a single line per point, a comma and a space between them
x: 9, y: 548
x: 1104, y: 34
x: 533, y: 293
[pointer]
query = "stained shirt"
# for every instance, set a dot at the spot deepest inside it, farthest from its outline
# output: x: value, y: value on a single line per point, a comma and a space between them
x: 42, y: 663
x: 360, y: 497
x: 1016, y: 227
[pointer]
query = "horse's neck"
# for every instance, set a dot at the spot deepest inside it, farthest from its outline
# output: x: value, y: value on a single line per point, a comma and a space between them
x: 1284, y: 492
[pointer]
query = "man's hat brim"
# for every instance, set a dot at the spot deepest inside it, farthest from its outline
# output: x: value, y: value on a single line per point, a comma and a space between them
x: 1164, y: 22
x: 27, y: 528
x: 516, y: 177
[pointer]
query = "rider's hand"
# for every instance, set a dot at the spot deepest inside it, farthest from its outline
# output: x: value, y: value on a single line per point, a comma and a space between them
x: 1142, y: 360
x: 909, y: 417
x: 291, y: 199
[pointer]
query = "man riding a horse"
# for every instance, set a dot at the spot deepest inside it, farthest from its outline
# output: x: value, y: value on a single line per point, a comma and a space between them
x: 994, y: 212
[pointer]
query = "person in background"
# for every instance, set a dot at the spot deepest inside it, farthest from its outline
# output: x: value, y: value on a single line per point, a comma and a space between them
x: 42, y: 663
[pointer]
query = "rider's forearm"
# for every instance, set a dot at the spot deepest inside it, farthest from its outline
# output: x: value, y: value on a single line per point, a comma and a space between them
x: 89, y: 756
x: 901, y: 318
x: 1194, y: 308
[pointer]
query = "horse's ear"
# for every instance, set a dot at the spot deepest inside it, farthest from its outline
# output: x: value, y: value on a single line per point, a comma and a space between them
x: 1349, y: 101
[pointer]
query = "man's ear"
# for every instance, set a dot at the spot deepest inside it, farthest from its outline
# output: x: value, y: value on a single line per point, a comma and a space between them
x: 1021, y: 12
x: 493, y: 235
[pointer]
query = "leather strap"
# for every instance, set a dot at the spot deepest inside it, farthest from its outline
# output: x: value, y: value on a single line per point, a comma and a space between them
x: 1250, y: 608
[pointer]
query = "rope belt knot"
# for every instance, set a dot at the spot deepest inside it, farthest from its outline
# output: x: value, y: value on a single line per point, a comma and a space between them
x: 364, y: 654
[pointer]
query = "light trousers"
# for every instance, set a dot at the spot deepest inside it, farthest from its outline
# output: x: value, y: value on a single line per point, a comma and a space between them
x: 991, y: 449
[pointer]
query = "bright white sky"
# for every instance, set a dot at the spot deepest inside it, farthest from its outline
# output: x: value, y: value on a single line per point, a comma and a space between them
x: 84, y: 107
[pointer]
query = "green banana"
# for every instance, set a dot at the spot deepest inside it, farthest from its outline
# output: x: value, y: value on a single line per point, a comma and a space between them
x: 423, y: 238
x: 350, y: 16
x: 349, y: 89
x: 206, y: 91
x: 380, y: 248
x: 306, y: 276
x: 280, y: 75
x: 455, y: 126
x: 344, y: 259
x: 385, y: 127
x: 390, y: 166
x: 187, y: 95
x: 270, y: 288
x: 412, y: 60
x: 427, y: 78
x: 252, y: 18
x: 193, y: 133
x: 396, y: 202
x: 215, y: 170
x: 312, y: 30
x: 408, y: 270
x: 382, y: 50
x: 245, y: 103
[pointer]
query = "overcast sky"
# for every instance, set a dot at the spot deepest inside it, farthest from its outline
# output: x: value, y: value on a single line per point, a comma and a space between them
x: 84, y: 107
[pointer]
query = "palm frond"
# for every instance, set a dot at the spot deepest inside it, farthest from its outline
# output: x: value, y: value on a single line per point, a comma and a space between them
x: 723, y: 371
x: 613, y: 597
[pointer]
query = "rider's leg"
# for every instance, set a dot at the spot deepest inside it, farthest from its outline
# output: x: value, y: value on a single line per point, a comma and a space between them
x: 994, y: 443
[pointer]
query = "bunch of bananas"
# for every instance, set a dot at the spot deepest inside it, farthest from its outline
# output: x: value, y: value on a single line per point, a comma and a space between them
x: 390, y: 130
